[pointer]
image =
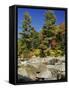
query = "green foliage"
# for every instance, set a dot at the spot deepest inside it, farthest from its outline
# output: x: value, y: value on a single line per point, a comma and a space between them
x: 26, y: 22
x: 34, y: 38
x: 50, y: 18
x: 37, y: 52
x: 54, y: 52
x: 32, y: 43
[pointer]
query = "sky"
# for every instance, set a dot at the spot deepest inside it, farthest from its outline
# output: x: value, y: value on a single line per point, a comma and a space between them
x: 37, y: 16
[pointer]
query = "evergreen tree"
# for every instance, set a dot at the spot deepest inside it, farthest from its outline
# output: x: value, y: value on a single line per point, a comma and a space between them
x: 34, y: 38
x: 50, y: 19
x: 46, y: 33
x: 25, y: 34
x: 29, y: 38
x: 49, y: 41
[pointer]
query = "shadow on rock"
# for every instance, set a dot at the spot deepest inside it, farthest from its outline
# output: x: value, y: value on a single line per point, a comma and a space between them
x: 24, y: 78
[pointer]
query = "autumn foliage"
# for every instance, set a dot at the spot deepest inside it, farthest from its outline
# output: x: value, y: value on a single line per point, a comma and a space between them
x: 49, y: 41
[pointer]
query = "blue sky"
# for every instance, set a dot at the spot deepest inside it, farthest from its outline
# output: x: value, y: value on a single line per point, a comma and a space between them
x: 37, y: 16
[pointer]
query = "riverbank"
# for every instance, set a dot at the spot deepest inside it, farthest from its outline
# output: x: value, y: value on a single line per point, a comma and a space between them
x: 48, y: 68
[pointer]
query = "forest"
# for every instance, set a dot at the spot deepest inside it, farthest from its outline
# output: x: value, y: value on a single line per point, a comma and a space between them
x: 49, y: 41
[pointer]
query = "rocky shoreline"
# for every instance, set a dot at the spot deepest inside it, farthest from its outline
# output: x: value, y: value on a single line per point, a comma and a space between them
x: 49, y: 68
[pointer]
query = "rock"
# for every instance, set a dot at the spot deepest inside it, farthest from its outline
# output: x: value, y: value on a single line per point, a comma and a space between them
x: 50, y: 68
x: 24, y: 78
x: 45, y: 74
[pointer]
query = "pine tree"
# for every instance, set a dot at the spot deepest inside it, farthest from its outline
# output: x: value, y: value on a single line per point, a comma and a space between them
x: 25, y: 34
x: 29, y: 38
x: 50, y: 19
x: 46, y: 33
x: 34, y: 38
